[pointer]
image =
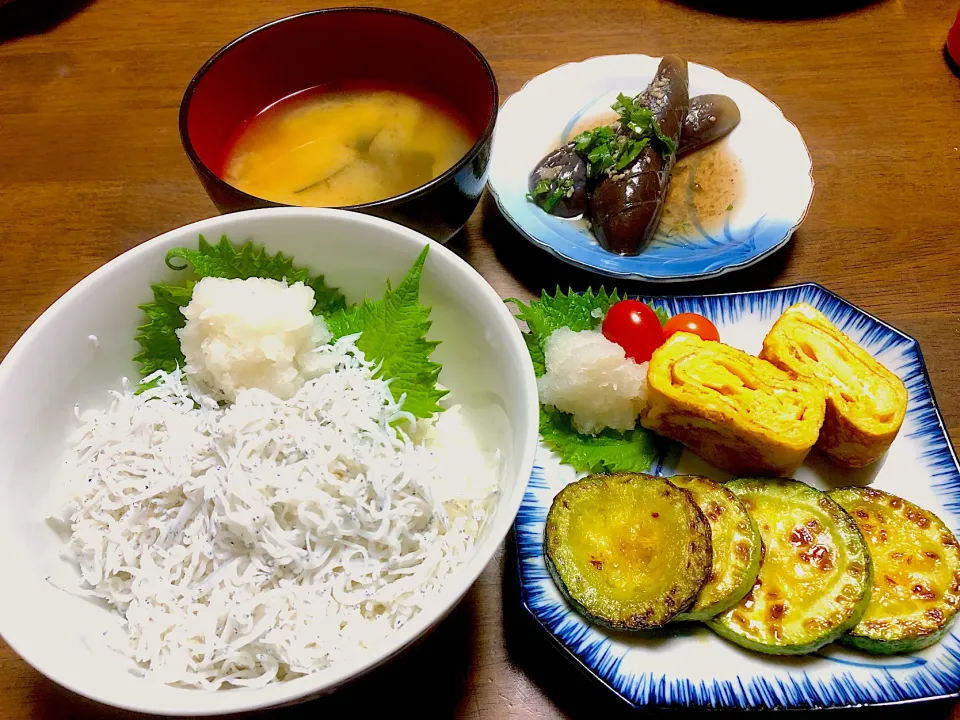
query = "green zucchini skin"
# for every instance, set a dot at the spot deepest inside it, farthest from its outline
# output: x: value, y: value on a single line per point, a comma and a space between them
x: 628, y: 551
x: 737, y: 547
x: 815, y: 577
x: 916, y: 580
x: 874, y: 646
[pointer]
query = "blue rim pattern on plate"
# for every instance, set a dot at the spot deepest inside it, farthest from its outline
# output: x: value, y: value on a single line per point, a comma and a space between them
x: 853, y: 680
x: 692, y: 253
x: 696, y: 256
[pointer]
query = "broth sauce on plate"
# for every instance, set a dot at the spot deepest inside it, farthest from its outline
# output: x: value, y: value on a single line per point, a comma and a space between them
x: 328, y: 147
x: 704, y: 188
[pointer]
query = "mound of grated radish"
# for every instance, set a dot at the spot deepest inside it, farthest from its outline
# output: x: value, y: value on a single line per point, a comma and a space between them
x: 270, y: 538
x: 592, y: 379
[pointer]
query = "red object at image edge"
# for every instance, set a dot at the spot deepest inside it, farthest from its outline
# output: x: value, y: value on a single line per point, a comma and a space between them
x: 953, y: 43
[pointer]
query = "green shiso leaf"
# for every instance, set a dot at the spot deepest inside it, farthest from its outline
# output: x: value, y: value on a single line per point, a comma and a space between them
x: 394, y: 331
x: 223, y: 260
x: 611, y: 450
x: 157, y: 337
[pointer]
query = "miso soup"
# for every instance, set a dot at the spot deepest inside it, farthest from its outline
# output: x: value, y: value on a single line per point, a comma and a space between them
x: 326, y: 148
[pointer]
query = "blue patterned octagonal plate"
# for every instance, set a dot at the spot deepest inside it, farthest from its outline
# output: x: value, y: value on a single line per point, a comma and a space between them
x: 774, y: 168
x: 691, y: 667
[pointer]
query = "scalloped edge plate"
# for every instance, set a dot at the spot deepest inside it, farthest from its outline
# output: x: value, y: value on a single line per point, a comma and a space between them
x: 776, y: 169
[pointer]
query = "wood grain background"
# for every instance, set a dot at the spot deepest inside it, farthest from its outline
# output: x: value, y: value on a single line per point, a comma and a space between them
x: 91, y: 165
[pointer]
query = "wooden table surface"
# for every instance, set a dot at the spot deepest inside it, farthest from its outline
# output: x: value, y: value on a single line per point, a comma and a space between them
x: 91, y: 165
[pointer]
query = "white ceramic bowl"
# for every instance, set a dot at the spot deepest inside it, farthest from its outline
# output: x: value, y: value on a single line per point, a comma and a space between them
x: 56, y: 364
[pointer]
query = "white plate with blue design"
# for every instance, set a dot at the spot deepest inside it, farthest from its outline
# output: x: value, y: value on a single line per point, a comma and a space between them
x: 692, y: 667
x: 774, y: 170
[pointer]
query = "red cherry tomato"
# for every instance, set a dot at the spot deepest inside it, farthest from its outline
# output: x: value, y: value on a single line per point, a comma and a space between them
x: 635, y: 327
x: 691, y: 323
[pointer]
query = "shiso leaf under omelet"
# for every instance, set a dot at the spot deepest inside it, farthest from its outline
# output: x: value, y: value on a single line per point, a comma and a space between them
x: 611, y: 450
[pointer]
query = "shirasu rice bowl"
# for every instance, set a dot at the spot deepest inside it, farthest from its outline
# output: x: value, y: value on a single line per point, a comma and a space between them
x: 266, y: 539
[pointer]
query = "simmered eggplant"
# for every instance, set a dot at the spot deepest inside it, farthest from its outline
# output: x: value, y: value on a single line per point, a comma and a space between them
x: 627, y: 168
x: 736, y: 547
x: 814, y: 581
x: 628, y: 551
x: 559, y: 183
x: 709, y: 118
x: 916, y: 573
x: 626, y: 204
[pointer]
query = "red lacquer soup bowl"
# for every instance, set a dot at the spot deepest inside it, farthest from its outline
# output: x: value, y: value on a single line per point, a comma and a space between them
x: 342, y: 47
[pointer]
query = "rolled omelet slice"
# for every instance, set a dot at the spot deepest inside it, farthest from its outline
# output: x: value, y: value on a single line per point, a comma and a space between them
x: 866, y: 403
x: 737, y: 411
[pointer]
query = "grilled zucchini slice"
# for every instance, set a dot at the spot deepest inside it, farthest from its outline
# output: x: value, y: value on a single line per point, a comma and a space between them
x: 628, y: 551
x: 814, y: 581
x: 916, y: 573
x: 736, y: 547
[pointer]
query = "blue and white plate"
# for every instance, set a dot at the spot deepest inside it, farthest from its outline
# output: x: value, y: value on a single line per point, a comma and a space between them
x: 692, y: 667
x: 775, y: 171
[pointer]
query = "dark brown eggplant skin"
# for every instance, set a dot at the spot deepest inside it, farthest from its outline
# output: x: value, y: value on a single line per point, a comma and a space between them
x: 709, y: 118
x: 625, y: 209
x: 566, y: 164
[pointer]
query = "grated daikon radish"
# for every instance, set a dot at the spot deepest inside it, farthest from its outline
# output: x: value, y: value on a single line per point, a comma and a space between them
x: 592, y: 379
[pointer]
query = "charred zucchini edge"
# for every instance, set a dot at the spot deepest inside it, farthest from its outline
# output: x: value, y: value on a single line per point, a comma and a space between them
x: 655, y: 611
x: 907, y: 639
x: 796, y: 491
x: 750, y: 566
